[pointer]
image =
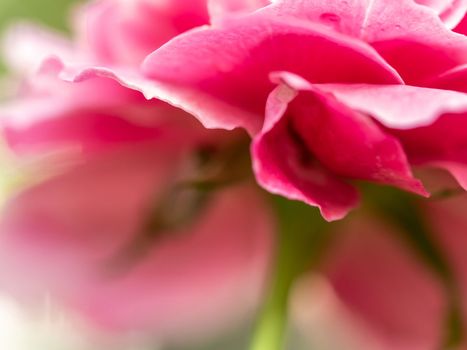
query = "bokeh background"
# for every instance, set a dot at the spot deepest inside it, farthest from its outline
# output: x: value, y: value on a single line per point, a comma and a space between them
x: 53, y: 13
x: 50, y: 329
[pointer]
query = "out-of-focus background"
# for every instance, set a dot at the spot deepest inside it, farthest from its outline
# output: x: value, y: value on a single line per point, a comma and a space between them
x: 53, y: 13
x: 51, y: 329
x: 49, y: 12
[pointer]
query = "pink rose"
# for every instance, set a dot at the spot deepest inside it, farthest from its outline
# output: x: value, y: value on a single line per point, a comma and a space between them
x: 364, y: 90
x: 148, y: 207
x: 122, y: 231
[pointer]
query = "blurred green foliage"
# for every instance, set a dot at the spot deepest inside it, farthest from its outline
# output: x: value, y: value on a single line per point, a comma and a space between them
x: 50, y: 12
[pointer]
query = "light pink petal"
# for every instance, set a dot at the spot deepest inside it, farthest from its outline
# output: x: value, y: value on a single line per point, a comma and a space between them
x: 230, y: 64
x: 442, y: 144
x: 89, y: 107
x: 49, y: 111
x: 190, y: 100
x: 92, y: 130
x: 401, y: 31
x: 47, y: 96
x: 371, y: 19
x: 87, y: 131
x: 450, y: 11
x: 220, y: 8
x: 347, y: 17
x: 63, y: 237
x: 124, y: 32
x: 404, y: 33
x: 386, y: 285
x: 398, y: 106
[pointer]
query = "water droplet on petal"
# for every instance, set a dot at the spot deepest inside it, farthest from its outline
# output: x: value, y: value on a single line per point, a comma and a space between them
x: 330, y: 19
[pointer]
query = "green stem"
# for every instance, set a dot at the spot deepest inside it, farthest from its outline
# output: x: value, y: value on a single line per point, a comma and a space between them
x: 302, y: 237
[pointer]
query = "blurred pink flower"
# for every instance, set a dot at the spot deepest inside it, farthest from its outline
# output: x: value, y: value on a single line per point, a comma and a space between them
x: 124, y: 32
x: 331, y: 92
x: 390, y: 293
x: 387, y: 288
x: 85, y: 239
x: 118, y: 235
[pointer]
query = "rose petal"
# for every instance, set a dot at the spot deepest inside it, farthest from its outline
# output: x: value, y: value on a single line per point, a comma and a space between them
x: 416, y: 116
x: 442, y: 144
x: 280, y: 167
x: 221, y: 8
x: 462, y: 26
x: 89, y: 107
x: 450, y: 11
x: 231, y: 64
x: 454, y: 79
x: 311, y: 142
x: 398, y: 106
x: 124, y: 32
x: 401, y: 31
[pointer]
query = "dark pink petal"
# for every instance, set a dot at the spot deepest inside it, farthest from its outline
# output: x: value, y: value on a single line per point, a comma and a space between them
x: 88, y: 130
x: 462, y: 26
x: 282, y: 165
x: 430, y: 124
x: 454, y: 79
x: 346, y: 141
x: 92, y: 107
x: 311, y: 143
x: 350, y: 144
x: 230, y: 64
